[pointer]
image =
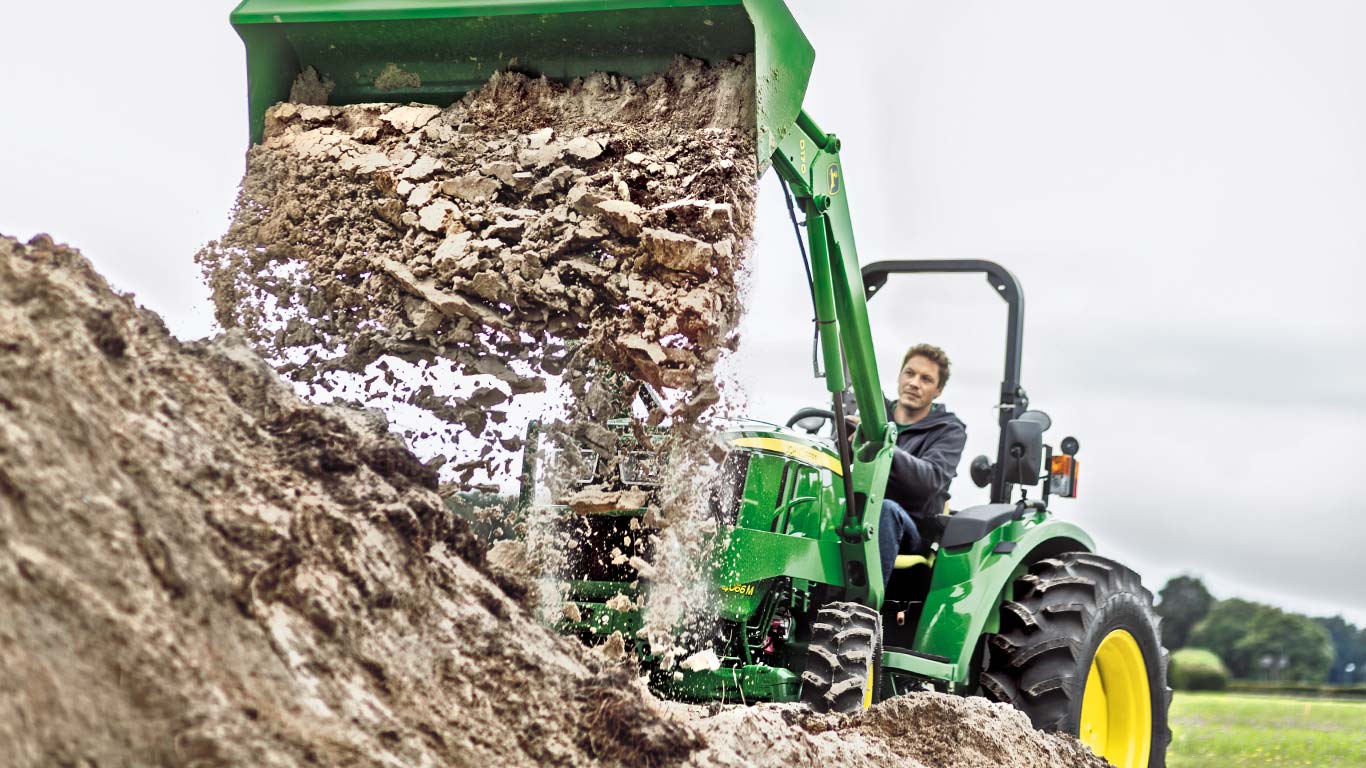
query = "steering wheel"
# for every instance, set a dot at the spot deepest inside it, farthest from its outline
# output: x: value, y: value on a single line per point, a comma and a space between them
x: 810, y: 420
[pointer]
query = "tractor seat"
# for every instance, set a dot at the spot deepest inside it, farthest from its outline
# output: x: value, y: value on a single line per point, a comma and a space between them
x: 904, y: 562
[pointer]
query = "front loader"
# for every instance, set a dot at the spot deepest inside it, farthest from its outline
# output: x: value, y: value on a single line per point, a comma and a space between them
x: 1012, y: 604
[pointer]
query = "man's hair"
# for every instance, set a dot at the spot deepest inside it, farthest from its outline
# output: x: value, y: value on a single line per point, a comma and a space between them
x: 933, y: 354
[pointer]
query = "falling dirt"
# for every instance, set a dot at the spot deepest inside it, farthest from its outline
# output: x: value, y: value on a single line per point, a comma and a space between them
x: 535, y: 250
x: 521, y: 236
x: 199, y: 568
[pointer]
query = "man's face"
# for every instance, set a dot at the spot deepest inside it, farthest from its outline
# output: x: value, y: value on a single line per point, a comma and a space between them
x: 918, y: 385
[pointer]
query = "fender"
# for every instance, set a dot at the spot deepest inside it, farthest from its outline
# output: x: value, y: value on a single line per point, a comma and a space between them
x: 970, y: 582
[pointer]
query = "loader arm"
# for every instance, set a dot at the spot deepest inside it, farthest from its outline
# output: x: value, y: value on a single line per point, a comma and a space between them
x: 808, y: 160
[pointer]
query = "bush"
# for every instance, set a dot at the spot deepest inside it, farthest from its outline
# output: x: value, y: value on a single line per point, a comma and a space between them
x: 1356, y: 691
x: 1197, y: 669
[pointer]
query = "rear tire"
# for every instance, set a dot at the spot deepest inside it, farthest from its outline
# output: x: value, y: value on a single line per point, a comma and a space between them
x: 844, y: 660
x: 1079, y: 652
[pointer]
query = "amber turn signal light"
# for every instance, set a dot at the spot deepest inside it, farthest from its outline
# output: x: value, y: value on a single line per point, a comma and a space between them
x: 1062, y: 477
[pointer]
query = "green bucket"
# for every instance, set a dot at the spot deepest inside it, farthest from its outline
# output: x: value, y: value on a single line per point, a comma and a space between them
x: 434, y: 51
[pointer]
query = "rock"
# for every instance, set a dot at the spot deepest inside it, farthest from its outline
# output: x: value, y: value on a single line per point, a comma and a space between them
x: 558, y: 179
x: 651, y: 350
x: 487, y: 397
x: 315, y: 114
x: 644, y: 569
x: 591, y: 500
x: 711, y: 217
x: 677, y: 252
x: 446, y: 303
x: 487, y: 245
x: 453, y: 247
x: 540, y: 138
x: 423, y: 167
x: 436, y: 217
x: 472, y: 187
x: 636, y: 158
x: 620, y: 603
x: 506, y: 230
x: 542, y: 188
x: 584, y: 199
x: 409, y: 118
x: 364, y: 163
x: 702, y: 661
x: 424, y: 317
x: 421, y: 195
x: 614, y: 647
x: 501, y: 170
x: 539, y: 157
x: 390, y: 211
x: 489, y: 285
x: 622, y: 216
x: 584, y: 148
x: 571, y: 611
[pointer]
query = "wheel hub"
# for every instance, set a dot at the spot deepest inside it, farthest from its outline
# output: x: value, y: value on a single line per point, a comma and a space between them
x: 1116, y: 712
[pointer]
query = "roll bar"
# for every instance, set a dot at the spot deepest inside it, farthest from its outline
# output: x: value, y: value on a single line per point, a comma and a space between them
x: 1014, y: 400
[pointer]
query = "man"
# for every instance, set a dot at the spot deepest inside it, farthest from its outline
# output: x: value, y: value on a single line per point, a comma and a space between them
x: 929, y: 444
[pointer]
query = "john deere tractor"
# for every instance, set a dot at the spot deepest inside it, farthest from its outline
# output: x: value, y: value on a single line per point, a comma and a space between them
x: 1013, y: 603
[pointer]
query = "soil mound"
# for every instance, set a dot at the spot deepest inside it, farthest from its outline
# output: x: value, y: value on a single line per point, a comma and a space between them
x: 919, y: 730
x: 198, y: 568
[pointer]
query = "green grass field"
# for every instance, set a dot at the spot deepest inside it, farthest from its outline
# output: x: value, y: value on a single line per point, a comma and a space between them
x: 1222, y: 730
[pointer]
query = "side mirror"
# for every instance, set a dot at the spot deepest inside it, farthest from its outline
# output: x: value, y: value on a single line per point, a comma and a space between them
x: 980, y: 470
x: 1042, y: 419
x: 1024, y: 451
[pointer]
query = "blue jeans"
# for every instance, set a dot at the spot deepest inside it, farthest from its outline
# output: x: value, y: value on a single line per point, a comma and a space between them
x: 896, y: 533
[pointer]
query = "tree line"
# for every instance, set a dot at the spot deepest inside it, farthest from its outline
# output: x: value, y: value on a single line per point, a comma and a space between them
x: 1261, y: 642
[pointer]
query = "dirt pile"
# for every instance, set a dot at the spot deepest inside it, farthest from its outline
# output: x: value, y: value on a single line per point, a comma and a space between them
x: 525, y: 233
x: 198, y: 568
x: 920, y: 730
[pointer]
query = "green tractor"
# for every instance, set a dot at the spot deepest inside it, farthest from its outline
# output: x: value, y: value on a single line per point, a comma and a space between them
x: 1013, y: 604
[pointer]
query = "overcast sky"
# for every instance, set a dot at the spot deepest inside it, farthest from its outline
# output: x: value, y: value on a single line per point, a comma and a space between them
x: 1179, y: 186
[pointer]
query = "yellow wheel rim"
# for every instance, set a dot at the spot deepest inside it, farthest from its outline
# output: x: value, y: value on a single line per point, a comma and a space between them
x: 868, y: 687
x: 1116, y: 706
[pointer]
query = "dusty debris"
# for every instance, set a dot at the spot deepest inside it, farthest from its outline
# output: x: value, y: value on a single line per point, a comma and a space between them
x: 524, y: 223
x: 593, y: 499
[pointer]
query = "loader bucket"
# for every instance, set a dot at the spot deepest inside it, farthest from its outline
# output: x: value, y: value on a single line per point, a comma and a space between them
x: 434, y: 51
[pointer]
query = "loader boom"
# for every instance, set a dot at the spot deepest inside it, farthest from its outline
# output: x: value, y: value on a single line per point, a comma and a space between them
x: 808, y: 160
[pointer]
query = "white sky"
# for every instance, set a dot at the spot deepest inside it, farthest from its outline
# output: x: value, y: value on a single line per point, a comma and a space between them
x: 1180, y: 188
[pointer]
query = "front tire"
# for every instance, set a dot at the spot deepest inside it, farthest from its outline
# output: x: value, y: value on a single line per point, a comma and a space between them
x: 1079, y: 652
x: 844, y: 660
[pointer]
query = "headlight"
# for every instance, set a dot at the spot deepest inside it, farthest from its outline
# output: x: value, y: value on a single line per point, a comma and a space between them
x: 590, y: 460
x: 639, y: 468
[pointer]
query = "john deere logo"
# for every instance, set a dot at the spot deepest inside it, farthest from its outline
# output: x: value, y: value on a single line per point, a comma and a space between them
x: 835, y: 179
